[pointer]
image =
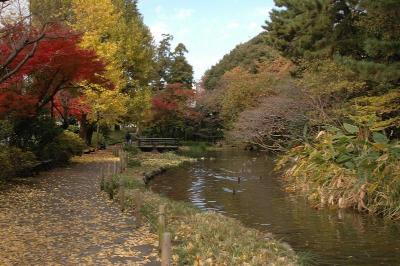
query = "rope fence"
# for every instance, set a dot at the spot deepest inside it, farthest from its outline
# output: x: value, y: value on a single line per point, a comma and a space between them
x: 111, y: 169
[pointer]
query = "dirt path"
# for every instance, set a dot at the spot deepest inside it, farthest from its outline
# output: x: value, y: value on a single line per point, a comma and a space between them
x: 62, y: 218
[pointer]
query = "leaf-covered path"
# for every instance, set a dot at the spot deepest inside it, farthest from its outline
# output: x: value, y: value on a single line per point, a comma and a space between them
x: 62, y: 218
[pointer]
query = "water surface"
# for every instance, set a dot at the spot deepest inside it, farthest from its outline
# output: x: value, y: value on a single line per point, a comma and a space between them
x: 258, y: 200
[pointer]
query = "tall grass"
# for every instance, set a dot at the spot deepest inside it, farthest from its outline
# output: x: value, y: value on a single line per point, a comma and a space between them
x: 348, y: 168
x: 195, y: 149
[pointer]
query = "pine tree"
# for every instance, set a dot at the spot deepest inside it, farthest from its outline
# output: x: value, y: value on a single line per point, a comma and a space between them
x: 363, y: 35
x: 378, y: 63
x: 164, y: 61
x: 181, y: 70
x: 311, y: 27
x: 379, y: 56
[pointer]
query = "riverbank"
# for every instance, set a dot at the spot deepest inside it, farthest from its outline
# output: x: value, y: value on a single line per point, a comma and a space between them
x: 200, y: 238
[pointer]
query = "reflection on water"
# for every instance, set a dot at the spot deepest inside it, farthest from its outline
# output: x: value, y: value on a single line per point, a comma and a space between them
x: 242, y: 185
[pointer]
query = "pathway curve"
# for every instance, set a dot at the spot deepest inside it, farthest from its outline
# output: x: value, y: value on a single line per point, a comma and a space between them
x: 62, y: 218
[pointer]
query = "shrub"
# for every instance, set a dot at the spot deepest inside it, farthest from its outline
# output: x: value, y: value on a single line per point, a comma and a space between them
x: 34, y: 134
x: 64, y: 146
x: 133, y: 150
x: 349, y: 168
x: 110, y: 186
x: 134, y: 163
x: 14, y: 161
x: 74, y: 128
x: 98, y: 140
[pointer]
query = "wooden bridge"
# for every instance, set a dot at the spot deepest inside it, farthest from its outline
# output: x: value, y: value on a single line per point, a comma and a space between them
x: 160, y: 144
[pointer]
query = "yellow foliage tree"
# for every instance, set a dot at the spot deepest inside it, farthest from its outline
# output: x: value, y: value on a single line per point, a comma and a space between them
x: 140, y: 108
x: 99, y: 21
x: 107, y: 106
x: 115, y: 30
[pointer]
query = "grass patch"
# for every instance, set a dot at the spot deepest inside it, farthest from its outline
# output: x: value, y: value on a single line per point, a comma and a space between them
x: 205, y: 238
x: 196, y: 149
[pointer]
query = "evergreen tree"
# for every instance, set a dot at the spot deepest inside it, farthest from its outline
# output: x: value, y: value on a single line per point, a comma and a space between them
x: 164, y: 60
x: 181, y: 71
x: 246, y: 56
x: 378, y: 25
x: 363, y: 35
x: 312, y: 27
x: 363, y: 31
x: 378, y: 63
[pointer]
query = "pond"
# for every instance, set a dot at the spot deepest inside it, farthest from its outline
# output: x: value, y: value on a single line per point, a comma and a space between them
x: 243, y: 185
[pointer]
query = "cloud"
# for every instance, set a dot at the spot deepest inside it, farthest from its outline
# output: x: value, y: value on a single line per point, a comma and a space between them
x: 158, y: 29
x: 159, y: 10
x: 233, y: 25
x: 202, y: 62
x: 183, y: 13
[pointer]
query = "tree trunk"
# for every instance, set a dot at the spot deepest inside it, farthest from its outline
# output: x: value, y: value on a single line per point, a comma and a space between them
x: 89, y: 134
x: 86, y: 130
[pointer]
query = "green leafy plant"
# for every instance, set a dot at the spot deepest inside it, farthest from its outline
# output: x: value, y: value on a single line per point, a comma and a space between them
x: 14, y: 161
x: 349, y: 167
x: 64, y: 146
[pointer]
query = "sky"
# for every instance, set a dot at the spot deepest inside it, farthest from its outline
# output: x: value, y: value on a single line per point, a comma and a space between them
x: 208, y: 28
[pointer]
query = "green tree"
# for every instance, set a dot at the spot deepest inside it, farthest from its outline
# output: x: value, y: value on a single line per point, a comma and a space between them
x: 245, y: 56
x: 172, y: 66
x: 361, y: 35
x: 164, y: 61
x: 378, y: 25
x: 313, y: 27
x: 181, y: 71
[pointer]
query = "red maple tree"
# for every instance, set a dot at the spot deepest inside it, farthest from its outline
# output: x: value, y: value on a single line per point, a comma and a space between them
x: 176, y: 100
x: 58, y: 64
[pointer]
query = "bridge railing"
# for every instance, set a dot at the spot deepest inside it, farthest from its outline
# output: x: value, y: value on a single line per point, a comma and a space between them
x: 158, y: 143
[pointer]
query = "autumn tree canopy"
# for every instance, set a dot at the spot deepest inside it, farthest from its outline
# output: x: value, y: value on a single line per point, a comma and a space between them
x: 57, y: 64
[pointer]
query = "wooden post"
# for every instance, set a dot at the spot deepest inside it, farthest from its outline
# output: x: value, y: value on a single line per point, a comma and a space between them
x: 161, y: 225
x: 120, y: 160
x: 102, y: 178
x: 115, y: 168
x: 126, y: 160
x: 166, y: 250
x: 108, y: 169
x: 121, y: 196
x: 123, y: 161
x: 138, y: 203
x: 102, y: 175
x: 162, y: 209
